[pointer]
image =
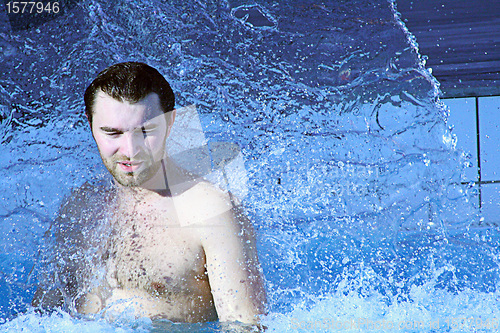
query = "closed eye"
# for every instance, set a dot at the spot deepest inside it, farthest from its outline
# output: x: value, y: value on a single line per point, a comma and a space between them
x: 113, y: 134
x: 148, y: 130
x: 111, y: 131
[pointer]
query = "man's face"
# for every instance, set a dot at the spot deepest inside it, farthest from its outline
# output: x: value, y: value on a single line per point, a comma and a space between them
x: 131, y: 137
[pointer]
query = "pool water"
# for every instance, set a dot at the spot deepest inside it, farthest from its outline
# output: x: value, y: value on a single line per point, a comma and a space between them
x: 352, y: 176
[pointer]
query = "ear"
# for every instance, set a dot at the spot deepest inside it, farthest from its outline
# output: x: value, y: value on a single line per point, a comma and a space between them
x: 170, y: 117
x: 90, y: 124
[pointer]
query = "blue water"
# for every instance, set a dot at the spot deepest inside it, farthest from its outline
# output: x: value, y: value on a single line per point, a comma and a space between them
x: 353, y: 178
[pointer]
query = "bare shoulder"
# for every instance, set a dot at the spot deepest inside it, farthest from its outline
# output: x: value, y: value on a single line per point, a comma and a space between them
x: 87, y: 196
x: 81, y: 209
x: 203, y: 204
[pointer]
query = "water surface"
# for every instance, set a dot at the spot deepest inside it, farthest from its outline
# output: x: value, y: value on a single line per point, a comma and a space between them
x: 353, y: 178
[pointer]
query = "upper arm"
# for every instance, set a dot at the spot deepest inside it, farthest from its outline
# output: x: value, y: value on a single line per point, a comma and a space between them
x: 65, y: 260
x: 233, y: 268
x: 55, y: 281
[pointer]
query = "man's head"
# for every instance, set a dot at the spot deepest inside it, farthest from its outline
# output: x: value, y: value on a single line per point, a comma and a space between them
x: 129, y: 107
x: 131, y: 82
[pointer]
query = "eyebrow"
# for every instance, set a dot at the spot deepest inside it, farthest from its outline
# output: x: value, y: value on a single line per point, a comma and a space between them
x: 111, y: 129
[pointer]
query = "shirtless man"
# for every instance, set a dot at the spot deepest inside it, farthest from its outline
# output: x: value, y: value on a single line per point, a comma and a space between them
x: 159, y: 242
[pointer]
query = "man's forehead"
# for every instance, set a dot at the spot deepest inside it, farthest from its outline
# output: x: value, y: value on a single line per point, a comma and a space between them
x: 147, y: 109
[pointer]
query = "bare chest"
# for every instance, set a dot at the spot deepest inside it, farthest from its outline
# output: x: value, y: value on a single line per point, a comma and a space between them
x: 150, y: 251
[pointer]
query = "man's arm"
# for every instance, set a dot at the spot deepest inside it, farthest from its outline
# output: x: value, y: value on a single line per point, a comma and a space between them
x: 55, y: 285
x: 65, y: 259
x: 232, y: 264
x: 47, y: 300
x: 234, y: 270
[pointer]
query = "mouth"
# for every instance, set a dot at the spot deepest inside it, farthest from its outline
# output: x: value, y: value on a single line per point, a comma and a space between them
x: 129, y: 166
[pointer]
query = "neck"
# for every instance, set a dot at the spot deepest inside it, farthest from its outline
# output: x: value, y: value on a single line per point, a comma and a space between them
x: 159, y: 183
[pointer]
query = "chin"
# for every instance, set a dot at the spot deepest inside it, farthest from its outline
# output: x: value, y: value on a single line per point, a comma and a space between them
x: 135, y: 179
x: 130, y: 180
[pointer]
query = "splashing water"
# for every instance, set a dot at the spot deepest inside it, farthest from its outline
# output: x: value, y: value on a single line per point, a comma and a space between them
x: 354, y: 181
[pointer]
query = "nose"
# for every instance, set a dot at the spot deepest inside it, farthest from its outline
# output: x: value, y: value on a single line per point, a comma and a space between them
x: 132, y: 144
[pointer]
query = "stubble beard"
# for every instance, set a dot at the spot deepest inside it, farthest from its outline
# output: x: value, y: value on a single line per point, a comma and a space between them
x: 135, y: 178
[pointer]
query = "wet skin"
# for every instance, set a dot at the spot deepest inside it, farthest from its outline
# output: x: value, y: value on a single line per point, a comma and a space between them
x: 131, y: 138
x: 179, y: 248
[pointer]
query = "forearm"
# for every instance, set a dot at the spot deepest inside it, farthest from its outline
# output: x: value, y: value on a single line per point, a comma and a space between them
x: 47, y: 300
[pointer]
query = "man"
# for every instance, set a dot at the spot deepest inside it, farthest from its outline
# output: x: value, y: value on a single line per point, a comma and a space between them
x: 159, y: 242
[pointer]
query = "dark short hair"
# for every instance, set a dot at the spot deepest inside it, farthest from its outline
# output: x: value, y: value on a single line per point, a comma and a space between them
x: 131, y: 82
